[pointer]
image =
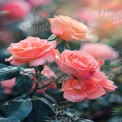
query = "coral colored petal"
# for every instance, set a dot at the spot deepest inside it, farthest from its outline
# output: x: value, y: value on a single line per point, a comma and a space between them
x: 42, y: 60
x: 74, y: 95
x: 100, y: 61
x: 56, y: 27
x: 97, y: 93
x: 108, y: 85
x: 69, y: 84
x: 14, y: 62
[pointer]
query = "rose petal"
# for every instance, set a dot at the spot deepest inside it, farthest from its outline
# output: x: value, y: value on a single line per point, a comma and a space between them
x: 74, y: 95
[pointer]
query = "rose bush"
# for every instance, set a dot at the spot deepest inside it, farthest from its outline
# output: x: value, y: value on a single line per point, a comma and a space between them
x: 58, y: 74
x: 99, y: 51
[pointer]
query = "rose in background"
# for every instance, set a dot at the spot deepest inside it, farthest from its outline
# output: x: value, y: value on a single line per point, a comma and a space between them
x: 99, y: 51
x: 102, y: 16
x: 36, y: 3
x: 83, y: 14
x: 16, y: 10
x: 33, y: 50
x: 48, y: 72
x: 7, y: 85
x: 5, y: 37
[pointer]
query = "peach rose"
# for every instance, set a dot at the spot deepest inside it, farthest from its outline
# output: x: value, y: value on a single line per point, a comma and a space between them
x: 33, y: 50
x: 77, y: 63
x: 99, y: 50
x: 7, y: 85
x: 95, y: 87
x: 36, y: 3
x: 67, y: 28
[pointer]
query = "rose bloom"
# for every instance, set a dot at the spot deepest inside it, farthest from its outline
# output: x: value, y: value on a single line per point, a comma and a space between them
x: 17, y: 9
x: 83, y: 14
x: 67, y: 28
x: 99, y: 50
x: 34, y: 50
x: 77, y: 63
x: 36, y: 3
x: 7, y: 85
x: 95, y: 87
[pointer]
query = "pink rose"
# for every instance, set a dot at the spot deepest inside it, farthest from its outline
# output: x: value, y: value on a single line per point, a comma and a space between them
x: 16, y: 9
x: 77, y: 63
x: 99, y: 50
x: 7, y: 85
x: 35, y: 3
x: 34, y: 50
x: 67, y: 28
x: 95, y: 87
x: 83, y: 14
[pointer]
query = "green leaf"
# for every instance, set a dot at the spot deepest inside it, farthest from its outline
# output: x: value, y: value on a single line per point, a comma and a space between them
x: 23, y: 84
x: 52, y: 37
x: 2, y: 65
x: 3, y: 96
x: 13, y: 119
x: 115, y: 119
x: 9, y: 72
x: 18, y: 109
x: 56, y: 94
x: 40, y: 112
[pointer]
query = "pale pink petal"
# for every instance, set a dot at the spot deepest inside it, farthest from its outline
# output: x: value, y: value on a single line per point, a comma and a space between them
x: 42, y: 60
